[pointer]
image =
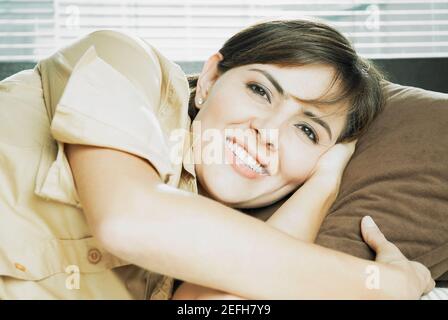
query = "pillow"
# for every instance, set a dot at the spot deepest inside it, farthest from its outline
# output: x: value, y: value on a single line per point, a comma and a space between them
x: 399, y: 176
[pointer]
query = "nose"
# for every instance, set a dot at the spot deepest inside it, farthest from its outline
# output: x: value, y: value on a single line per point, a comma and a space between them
x: 267, y: 137
x: 268, y: 142
x: 268, y: 132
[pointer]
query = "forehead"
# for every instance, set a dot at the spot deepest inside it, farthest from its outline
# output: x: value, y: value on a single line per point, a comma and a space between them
x: 307, y: 82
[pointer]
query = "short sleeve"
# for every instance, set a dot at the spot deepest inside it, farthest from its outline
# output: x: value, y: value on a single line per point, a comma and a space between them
x: 101, y: 107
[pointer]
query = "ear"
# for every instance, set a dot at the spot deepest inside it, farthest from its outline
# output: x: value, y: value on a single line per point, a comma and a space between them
x: 207, y: 78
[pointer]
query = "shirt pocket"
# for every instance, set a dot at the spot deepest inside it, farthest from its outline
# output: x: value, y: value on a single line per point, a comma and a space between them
x: 41, y: 258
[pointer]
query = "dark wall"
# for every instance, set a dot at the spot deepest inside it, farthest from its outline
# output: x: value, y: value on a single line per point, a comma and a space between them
x: 426, y: 73
x: 9, y: 68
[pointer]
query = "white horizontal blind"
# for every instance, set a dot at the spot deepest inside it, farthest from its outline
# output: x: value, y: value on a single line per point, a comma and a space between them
x: 191, y: 30
x: 26, y: 29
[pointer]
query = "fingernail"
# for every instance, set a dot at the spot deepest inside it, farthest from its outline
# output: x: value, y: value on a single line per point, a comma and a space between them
x: 369, y: 222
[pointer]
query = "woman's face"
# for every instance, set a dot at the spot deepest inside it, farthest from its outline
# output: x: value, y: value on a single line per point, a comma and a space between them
x: 254, y: 106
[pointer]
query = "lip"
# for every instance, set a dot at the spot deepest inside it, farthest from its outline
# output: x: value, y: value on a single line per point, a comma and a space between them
x: 257, y: 157
x: 240, y: 167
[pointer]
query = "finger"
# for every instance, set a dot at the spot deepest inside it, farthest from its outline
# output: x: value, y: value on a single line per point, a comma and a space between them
x: 351, y: 146
x: 352, y: 143
x: 430, y: 287
x: 347, y: 145
x: 385, y: 250
x: 345, y: 149
x: 428, y: 282
x: 372, y: 234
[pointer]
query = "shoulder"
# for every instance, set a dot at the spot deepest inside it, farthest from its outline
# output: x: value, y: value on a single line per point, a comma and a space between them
x: 124, y: 51
x: 131, y: 56
x: 121, y: 41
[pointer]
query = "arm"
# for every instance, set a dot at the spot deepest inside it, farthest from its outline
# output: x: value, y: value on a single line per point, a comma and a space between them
x: 303, y: 213
x: 300, y: 216
x: 166, y: 230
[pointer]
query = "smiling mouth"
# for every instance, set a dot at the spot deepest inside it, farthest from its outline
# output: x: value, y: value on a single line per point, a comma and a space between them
x: 244, y: 159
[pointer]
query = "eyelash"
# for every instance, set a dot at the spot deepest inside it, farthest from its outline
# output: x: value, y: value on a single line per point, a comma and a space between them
x: 255, y: 88
x: 310, y: 133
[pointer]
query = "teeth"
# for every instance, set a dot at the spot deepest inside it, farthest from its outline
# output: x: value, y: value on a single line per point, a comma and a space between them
x: 245, y: 157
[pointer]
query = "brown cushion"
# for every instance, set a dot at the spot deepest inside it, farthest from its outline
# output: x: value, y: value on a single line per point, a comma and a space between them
x: 399, y: 176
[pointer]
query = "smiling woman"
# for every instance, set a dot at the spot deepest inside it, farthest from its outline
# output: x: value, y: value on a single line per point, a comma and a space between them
x: 93, y: 185
x: 301, y: 83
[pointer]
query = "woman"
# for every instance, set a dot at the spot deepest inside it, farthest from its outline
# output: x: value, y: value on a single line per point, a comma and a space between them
x: 120, y: 188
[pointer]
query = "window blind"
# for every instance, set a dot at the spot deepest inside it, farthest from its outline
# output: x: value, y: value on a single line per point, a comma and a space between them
x: 191, y: 30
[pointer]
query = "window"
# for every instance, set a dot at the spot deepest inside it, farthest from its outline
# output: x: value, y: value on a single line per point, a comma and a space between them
x: 191, y: 30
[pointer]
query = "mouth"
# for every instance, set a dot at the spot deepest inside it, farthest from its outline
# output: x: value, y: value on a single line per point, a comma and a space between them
x: 245, y: 163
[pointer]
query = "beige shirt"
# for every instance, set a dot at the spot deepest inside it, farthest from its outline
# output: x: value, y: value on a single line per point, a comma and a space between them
x: 107, y: 89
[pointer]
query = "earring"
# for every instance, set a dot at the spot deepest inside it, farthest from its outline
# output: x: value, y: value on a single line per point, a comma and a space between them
x: 200, y: 101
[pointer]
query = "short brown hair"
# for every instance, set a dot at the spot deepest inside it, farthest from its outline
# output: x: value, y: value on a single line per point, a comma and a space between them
x: 302, y: 42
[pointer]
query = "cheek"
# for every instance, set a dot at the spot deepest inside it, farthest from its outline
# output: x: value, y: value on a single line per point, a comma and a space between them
x: 298, y: 162
x: 212, y: 115
x: 229, y: 104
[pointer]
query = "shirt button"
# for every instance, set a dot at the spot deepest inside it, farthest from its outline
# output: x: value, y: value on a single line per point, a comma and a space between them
x: 94, y: 256
x: 20, y: 267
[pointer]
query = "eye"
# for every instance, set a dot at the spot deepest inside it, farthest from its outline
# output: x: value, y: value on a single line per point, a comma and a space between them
x: 309, y: 132
x: 259, y: 90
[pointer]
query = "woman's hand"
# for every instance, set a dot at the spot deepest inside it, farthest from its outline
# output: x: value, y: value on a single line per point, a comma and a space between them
x: 332, y: 163
x: 417, y: 278
x: 303, y: 213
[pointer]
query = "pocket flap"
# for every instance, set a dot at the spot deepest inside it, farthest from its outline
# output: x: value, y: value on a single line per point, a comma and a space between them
x: 43, y: 258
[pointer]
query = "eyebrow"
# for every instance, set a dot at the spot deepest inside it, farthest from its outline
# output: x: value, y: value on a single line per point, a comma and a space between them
x: 281, y: 91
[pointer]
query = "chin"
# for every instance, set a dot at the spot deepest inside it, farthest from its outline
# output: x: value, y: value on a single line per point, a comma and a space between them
x: 220, y: 189
x: 256, y: 203
x: 223, y: 186
x: 268, y: 198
